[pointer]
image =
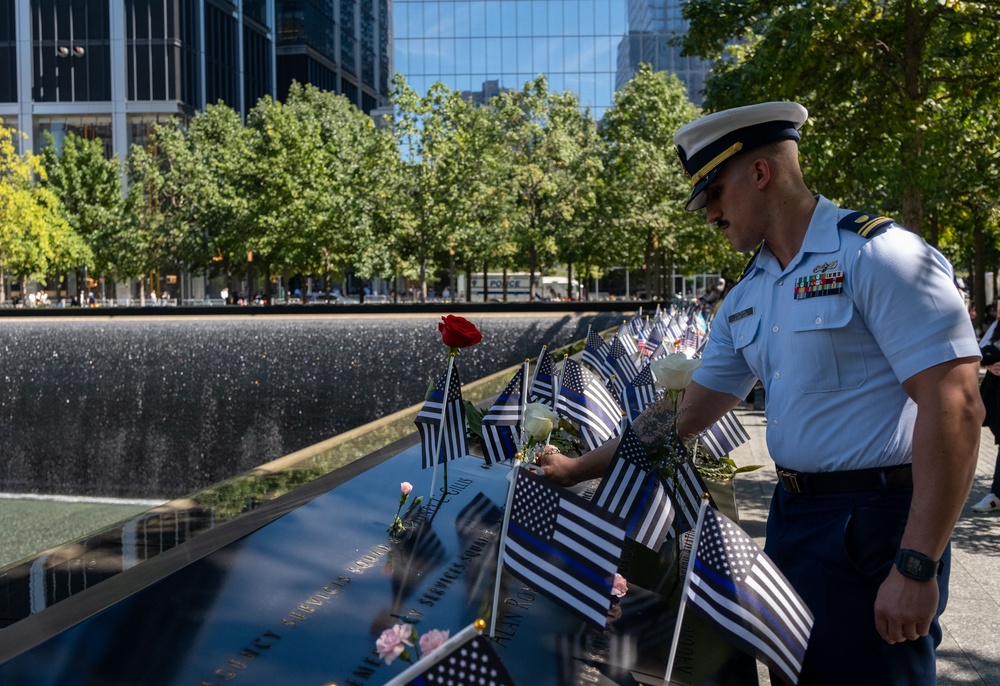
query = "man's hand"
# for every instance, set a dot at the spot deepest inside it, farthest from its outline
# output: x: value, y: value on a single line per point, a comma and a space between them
x: 556, y: 466
x: 568, y: 471
x: 904, y: 608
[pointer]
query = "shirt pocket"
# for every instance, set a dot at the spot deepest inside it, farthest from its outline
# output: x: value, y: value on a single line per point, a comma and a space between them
x: 744, y: 333
x: 825, y: 346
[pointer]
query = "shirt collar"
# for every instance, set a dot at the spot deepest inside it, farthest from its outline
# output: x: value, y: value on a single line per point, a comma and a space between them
x: 821, y: 237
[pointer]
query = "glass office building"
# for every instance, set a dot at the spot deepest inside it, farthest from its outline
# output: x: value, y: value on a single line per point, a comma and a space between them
x: 109, y: 69
x: 653, y: 25
x: 590, y: 47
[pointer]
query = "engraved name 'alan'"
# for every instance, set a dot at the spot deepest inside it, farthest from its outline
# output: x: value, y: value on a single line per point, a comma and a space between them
x: 234, y: 666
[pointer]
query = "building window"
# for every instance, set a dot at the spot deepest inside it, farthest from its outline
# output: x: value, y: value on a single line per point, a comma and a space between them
x: 70, y: 51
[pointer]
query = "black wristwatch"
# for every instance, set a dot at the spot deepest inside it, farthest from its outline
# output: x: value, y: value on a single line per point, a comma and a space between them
x: 917, y: 566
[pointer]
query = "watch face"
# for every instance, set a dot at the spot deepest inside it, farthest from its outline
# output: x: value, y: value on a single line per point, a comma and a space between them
x: 914, y: 566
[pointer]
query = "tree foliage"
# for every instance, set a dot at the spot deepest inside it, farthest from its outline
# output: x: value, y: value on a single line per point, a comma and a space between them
x: 897, y: 92
x: 312, y: 186
x: 35, y: 238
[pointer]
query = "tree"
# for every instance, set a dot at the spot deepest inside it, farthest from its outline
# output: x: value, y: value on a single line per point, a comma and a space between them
x: 35, y: 238
x: 646, y: 185
x: 422, y: 129
x: 475, y: 170
x: 538, y: 126
x: 318, y: 163
x: 877, y: 76
x: 89, y: 188
x: 220, y: 188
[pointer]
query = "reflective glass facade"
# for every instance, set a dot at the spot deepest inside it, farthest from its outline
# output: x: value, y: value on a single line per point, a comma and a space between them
x: 590, y: 47
x: 109, y: 69
x: 468, y: 43
x: 338, y: 45
x: 652, y: 25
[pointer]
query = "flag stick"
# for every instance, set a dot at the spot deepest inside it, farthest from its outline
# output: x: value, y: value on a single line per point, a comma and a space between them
x: 440, y: 653
x: 524, y: 403
x: 538, y: 363
x: 684, y: 587
x: 512, y: 477
x: 440, y: 437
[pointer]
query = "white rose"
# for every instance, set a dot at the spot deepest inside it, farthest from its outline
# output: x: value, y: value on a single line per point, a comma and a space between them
x: 539, y: 420
x: 674, y: 371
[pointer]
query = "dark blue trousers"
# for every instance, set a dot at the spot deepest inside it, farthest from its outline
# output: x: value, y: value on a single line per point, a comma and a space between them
x: 995, y: 486
x: 836, y: 550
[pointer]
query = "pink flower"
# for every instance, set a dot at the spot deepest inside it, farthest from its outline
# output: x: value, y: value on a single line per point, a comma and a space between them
x: 620, y: 587
x: 405, y: 488
x: 393, y: 641
x: 432, y: 640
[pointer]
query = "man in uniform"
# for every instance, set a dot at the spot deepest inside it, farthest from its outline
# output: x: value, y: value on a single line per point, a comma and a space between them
x: 870, y: 367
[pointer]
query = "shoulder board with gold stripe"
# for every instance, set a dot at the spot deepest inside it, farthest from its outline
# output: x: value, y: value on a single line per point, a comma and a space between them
x: 864, y: 224
x: 749, y: 267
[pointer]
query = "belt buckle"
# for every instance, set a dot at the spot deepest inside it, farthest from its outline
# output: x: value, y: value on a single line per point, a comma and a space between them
x: 790, y: 481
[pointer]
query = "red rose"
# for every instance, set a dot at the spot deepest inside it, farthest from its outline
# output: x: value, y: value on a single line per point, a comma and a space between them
x: 458, y: 332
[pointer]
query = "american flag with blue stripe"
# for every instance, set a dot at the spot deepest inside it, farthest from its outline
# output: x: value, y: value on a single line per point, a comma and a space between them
x: 628, y: 340
x: 595, y: 353
x: 472, y: 662
x: 687, y: 490
x: 563, y: 546
x: 543, y: 388
x: 619, y: 362
x: 502, y: 423
x: 586, y: 402
x: 632, y: 490
x: 724, y: 436
x: 737, y: 588
x: 451, y: 412
x: 640, y: 393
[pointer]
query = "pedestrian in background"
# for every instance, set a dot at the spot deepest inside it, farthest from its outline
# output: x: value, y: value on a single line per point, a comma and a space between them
x: 989, y: 390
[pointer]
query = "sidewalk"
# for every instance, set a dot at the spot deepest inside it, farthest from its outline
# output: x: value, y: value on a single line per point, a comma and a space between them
x: 970, y: 650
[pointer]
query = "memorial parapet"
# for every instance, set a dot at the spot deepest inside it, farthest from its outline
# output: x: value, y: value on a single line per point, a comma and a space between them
x: 298, y: 591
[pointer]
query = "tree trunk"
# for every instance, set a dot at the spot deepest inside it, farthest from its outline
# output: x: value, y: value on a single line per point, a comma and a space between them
x: 978, y: 286
x: 504, y: 284
x: 569, y: 281
x: 532, y: 265
x: 423, y: 280
x: 649, y: 266
x: 486, y: 282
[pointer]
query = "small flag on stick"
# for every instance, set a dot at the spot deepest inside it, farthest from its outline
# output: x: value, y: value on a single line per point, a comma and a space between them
x: 563, y: 546
x: 640, y: 393
x: 441, y: 421
x: 724, y: 436
x: 465, y: 659
x: 543, y: 385
x: 586, y: 401
x: 595, y: 353
x: 737, y: 589
x: 632, y: 490
x: 502, y: 423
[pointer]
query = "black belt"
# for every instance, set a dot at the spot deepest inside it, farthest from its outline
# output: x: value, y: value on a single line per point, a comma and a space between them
x: 878, y: 479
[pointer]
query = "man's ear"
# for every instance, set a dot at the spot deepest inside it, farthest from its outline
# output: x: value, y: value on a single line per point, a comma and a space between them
x: 762, y: 172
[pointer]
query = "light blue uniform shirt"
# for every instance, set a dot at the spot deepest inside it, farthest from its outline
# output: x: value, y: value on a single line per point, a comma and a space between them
x: 832, y: 364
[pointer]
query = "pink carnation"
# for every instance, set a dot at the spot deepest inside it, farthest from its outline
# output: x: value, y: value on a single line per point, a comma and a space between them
x: 432, y: 640
x: 620, y: 587
x: 405, y: 488
x: 393, y: 642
